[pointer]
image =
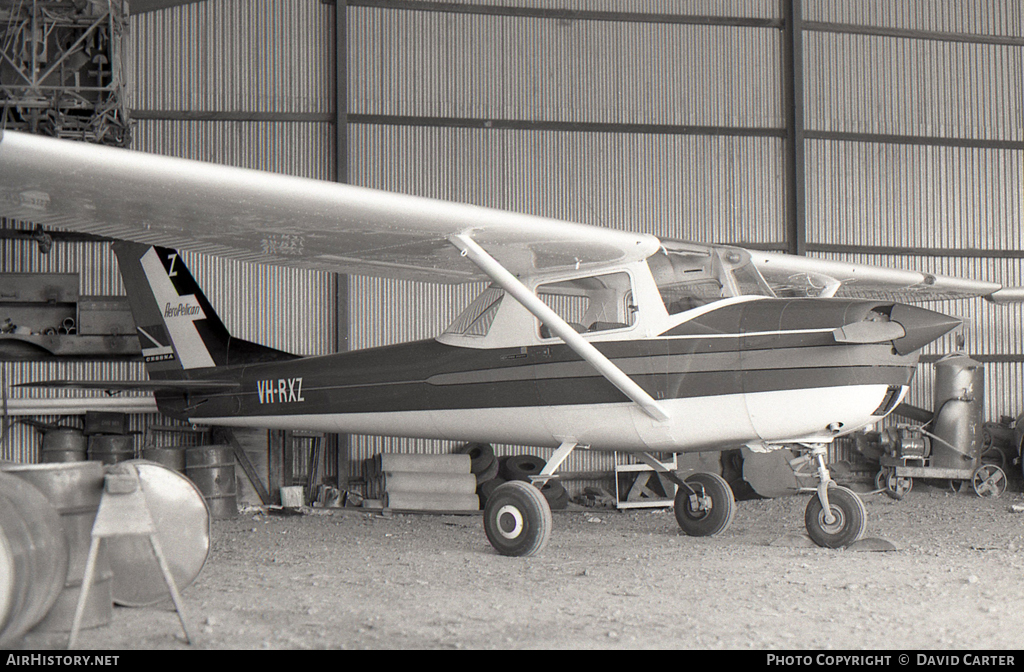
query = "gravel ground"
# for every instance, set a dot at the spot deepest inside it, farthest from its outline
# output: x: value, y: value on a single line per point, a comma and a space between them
x: 608, y: 579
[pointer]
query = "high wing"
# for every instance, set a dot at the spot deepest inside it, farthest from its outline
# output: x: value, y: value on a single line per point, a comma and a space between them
x: 790, y: 275
x: 270, y: 218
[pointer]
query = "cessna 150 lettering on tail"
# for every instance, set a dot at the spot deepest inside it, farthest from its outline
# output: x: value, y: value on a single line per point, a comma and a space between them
x: 586, y: 337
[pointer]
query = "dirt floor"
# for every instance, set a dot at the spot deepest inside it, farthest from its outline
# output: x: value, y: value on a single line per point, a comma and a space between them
x: 608, y: 579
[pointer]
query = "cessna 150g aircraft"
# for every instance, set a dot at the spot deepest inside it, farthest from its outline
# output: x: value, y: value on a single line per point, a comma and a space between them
x: 586, y: 338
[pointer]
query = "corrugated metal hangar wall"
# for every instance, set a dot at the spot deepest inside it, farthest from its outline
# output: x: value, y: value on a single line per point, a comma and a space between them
x: 880, y: 131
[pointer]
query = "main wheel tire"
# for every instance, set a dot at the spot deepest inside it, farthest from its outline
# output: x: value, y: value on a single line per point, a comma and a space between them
x: 517, y: 519
x: 850, y: 518
x: 697, y: 521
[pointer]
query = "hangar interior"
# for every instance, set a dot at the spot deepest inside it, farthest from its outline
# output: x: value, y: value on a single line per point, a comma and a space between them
x: 880, y: 132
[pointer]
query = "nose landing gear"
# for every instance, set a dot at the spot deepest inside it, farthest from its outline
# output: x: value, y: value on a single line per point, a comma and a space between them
x: 835, y: 517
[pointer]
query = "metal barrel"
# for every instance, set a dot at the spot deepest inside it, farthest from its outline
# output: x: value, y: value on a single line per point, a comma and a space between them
x: 182, y: 522
x: 212, y: 469
x: 172, y: 458
x: 74, y: 489
x: 111, y: 448
x: 64, y: 444
x: 33, y: 558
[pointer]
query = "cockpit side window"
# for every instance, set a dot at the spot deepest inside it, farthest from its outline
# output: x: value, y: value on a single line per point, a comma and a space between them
x: 590, y: 304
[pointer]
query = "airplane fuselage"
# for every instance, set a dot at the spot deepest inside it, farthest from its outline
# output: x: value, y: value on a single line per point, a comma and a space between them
x: 749, y: 372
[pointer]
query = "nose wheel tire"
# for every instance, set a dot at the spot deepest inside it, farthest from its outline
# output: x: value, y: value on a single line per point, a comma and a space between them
x: 849, y: 519
x: 709, y: 511
x: 517, y: 519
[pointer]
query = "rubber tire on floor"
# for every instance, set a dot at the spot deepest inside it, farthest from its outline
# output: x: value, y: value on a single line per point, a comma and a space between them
x: 485, y: 489
x: 705, y: 523
x: 732, y: 472
x: 556, y: 494
x: 521, y: 467
x: 481, y: 454
x: 517, y: 519
x: 849, y: 510
x: 489, y: 472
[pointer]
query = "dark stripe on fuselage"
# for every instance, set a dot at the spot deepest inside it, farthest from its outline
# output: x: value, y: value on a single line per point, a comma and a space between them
x: 693, y: 360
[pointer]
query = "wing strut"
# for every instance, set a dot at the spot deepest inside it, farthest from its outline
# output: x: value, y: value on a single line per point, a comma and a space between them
x: 558, y: 326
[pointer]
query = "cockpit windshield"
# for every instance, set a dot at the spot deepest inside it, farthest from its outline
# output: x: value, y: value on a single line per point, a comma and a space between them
x: 690, y: 278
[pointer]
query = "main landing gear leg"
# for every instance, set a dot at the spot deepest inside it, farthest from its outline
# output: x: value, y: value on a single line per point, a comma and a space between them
x: 517, y: 517
x: 835, y: 516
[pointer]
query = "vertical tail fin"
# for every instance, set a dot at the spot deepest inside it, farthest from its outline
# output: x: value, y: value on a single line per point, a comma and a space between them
x: 178, y: 328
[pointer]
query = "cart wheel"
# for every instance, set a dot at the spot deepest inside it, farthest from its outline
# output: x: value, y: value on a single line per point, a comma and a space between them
x: 849, y: 514
x: 880, y: 479
x: 989, y: 481
x: 898, y: 486
x: 955, y: 484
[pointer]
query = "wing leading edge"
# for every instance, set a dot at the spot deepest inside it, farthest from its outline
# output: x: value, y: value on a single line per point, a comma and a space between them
x: 270, y: 218
x: 790, y: 275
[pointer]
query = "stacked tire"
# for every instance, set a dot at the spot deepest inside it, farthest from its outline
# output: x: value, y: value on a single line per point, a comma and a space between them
x: 483, y: 465
x: 493, y: 471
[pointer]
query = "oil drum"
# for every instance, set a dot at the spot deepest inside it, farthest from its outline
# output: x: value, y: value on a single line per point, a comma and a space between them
x: 33, y: 558
x: 182, y: 522
x: 63, y: 444
x: 74, y: 489
x: 111, y: 448
x: 212, y: 469
x: 172, y: 458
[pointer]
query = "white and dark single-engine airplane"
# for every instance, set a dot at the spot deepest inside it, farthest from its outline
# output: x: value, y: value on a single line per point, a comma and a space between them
x: 586, y: 337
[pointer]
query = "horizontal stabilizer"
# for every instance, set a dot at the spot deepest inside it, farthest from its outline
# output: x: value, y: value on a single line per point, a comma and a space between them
x: 140, y: 385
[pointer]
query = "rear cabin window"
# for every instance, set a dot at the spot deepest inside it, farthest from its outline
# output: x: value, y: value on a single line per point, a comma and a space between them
x: 688, y: 280
x: 591, y: 304
x: 476, y: 319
